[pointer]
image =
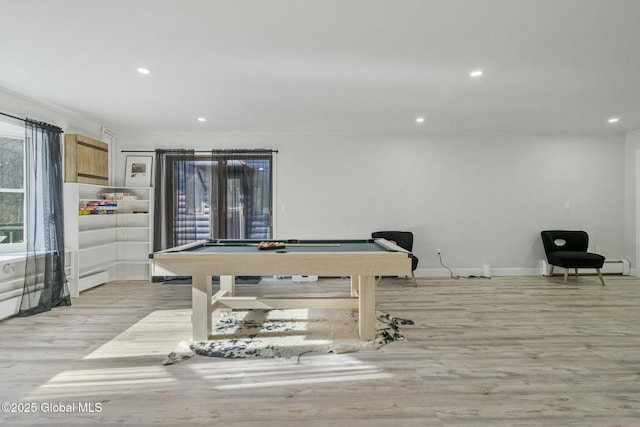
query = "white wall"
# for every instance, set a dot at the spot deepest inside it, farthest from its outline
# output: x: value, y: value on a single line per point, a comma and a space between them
x: 71, y: 122
x: 480, y: 198
x: 632, y: 199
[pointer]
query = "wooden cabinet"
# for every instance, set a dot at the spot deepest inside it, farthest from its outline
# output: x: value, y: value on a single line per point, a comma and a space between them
x: 86, y: 160
x: 108, y: 246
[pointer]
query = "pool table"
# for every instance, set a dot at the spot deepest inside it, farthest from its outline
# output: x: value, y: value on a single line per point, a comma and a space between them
x: 362, y: 260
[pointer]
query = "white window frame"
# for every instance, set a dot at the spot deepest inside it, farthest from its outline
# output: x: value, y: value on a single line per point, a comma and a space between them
x: 12, y: 130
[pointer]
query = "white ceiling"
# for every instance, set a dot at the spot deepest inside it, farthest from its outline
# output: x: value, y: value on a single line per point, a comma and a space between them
x: 329, y: 66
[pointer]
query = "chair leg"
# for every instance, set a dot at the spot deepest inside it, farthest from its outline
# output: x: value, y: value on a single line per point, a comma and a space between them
x: 576, y: 273
x: 378, y: 281
x: 566, y: 274
x: 600, y: 276
x: 551, y: 271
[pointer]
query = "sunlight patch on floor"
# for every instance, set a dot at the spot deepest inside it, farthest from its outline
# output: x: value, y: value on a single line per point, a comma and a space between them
x: 312, y: 369
x: 156, y: 334
x: 102, y: 381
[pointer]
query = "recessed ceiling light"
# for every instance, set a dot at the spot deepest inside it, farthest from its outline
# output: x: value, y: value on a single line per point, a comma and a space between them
x: 202, y: 119
x: 613, y: 120
x: 143, y: 70
x: 475, y: 74
x: 419, y: 119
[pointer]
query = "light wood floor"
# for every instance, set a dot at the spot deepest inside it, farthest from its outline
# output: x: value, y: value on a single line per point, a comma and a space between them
x: 483, y: 352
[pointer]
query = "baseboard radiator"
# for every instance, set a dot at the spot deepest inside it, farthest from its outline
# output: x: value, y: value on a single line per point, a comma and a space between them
x: 611, y: 266
x: 12, y: 284
x: 616, y: 266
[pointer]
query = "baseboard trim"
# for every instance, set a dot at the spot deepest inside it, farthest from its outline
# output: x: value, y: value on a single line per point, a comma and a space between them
x: 477, y: 272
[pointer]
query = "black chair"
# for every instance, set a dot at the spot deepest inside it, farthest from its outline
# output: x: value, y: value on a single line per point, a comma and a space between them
x: 404, y: 239
x: 568, y: 249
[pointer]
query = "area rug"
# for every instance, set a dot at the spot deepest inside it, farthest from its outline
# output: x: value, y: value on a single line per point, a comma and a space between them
x: 287, y: 334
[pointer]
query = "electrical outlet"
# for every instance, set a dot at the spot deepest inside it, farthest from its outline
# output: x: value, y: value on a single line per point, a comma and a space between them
x: 438, y: 251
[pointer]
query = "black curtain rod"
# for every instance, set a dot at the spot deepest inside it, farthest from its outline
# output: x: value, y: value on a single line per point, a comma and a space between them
x: 33, y: 121
x: 13, y: 117
x: 242, y: 151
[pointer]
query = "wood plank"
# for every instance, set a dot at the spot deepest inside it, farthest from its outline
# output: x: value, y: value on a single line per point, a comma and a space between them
x: 228, y: 284
x: 86, y: 160
x: 71, y: 161
x: 201, y: 303
x: 272, y: 263
x: 367, y: 308
x: 505, y: 351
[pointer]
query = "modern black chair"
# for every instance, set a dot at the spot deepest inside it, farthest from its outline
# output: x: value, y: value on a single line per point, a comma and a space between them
x: 568, y: 249
x: 404, y: 239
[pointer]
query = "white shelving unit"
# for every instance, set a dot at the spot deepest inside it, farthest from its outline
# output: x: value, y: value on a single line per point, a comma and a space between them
x: 112, y: 246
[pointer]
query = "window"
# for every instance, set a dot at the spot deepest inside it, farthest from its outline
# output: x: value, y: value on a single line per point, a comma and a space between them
x: 232, y: 198
x: 222, y: 194
x: 12, y: 180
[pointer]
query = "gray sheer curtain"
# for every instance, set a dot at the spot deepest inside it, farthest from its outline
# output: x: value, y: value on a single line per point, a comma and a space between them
x: 174, y: 223
x: 241, y: 193
x: 211, y: 195
x: 45, y: 284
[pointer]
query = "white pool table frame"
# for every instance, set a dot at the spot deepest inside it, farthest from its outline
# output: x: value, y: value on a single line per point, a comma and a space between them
x: 362, y: 266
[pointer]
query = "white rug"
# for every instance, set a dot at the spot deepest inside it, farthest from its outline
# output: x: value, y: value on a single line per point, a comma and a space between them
x: 286, y: 334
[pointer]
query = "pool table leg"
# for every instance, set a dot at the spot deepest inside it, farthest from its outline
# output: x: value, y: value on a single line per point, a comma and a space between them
x: 228, y: 283
x: 355, y: 285
x: 201, y: 306
x: 367, y: 308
